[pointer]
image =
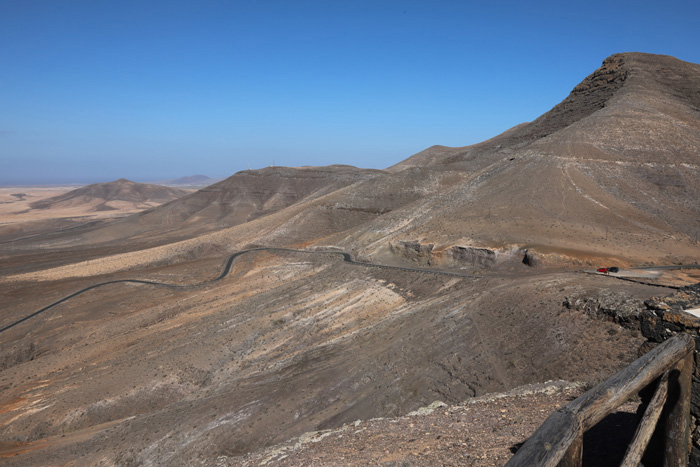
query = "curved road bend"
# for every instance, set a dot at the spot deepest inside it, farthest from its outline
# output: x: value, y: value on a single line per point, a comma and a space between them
x: 226, y: 271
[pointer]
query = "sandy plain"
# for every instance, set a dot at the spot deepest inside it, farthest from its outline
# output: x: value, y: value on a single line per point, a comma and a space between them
x: 15, y: 205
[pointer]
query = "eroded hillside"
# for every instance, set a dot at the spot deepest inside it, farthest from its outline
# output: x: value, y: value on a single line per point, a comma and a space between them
x: 288, y: 343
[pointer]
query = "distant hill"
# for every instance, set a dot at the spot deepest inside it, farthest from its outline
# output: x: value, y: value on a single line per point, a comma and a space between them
x: 243, y: 197
x: 112, y: 196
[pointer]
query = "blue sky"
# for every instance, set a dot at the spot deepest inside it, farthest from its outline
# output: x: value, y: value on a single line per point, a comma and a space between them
x: 98, y: 90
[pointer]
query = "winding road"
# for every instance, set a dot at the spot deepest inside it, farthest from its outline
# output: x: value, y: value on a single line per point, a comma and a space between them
x: 229, y: 265
x: 226, y: 271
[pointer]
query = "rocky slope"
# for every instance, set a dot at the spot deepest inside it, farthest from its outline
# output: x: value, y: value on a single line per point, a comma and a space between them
x: 289, y: 343
x: 482, y: 432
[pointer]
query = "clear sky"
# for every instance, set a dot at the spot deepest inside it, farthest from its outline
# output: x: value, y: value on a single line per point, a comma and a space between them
x: 95, y: 90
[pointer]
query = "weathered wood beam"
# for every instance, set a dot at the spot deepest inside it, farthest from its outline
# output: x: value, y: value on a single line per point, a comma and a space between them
x: 573, y: 457
x: 600, y: 401
x: 550, y: 443
x: 647, y: 425
x: 678, y: 423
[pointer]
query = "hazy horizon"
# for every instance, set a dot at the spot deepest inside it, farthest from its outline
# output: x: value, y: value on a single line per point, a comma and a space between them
x: 77, y: 183
x: 150, y: 91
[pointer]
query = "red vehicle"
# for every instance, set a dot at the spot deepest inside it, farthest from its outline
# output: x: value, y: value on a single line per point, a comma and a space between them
x: 603, y: 270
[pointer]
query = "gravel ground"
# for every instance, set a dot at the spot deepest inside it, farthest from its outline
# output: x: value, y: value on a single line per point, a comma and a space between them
x: 482, y: 432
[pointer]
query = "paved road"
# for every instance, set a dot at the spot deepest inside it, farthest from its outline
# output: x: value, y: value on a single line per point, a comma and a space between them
x: 659, y: 268
x: 624, y: 275
x: 226, y: 271
x: 633, y: 274
x: 346, y: 257
x: 75, y: 294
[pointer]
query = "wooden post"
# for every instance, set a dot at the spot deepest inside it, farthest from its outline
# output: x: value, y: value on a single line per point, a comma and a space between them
x: 574, y: 455
x: 595, y: 404
x: 647, y: 425
x: 549, y: 445
x: 677, y: 442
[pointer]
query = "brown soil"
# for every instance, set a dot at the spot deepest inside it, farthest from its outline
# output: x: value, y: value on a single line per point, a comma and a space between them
x: 485, y: 431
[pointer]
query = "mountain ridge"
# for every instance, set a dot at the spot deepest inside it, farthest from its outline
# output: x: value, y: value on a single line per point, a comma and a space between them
x: 596, y: 177
x: 635, y: 70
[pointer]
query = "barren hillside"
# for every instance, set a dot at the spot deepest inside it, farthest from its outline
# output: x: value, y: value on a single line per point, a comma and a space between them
x: 31, y: 213
x: 240, y: 198
x: 608, y: 174
x: 289, y: 343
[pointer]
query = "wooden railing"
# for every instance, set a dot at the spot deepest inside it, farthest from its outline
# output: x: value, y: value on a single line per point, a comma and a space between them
x: 559, y: 440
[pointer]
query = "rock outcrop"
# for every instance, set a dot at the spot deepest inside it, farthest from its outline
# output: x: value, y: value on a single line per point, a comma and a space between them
x: 456, y: 256
x: 611, y: 306
x: 471, y: 256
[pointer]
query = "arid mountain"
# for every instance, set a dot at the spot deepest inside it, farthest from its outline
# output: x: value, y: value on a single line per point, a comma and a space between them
x: 214, y: 365
x: 104, y: 196
x: 241, y: 198
x: 609, y: 173
x: 607, y: 116
x: 250, y: 194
